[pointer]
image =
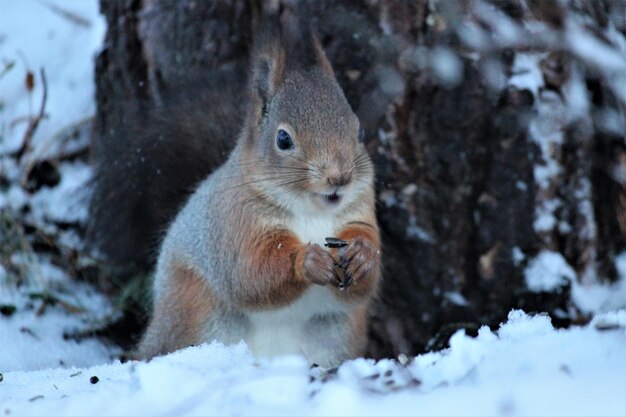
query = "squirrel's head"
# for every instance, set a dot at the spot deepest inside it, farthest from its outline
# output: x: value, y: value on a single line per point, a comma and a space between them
x: 303, y: 142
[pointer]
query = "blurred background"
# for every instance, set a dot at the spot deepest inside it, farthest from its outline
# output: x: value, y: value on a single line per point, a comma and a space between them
x: 497, y: 129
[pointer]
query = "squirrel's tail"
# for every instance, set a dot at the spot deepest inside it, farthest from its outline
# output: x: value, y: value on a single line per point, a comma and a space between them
x: 147, y: 168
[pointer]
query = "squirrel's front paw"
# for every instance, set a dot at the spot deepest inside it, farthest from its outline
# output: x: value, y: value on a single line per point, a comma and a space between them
x: 317, y: 265
x: 358, y: 259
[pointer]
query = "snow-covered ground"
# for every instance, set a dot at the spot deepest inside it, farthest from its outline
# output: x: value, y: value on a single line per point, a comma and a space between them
x: 525, y: 368
x: 50, y: 366
x: 39, y: 333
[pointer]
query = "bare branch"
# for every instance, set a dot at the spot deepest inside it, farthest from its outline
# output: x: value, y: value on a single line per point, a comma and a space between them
x: 34, y: 122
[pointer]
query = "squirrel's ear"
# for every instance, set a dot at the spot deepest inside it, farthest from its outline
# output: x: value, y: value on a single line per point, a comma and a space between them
x: 302, y: 41
x: 268, y: 67
x: 320, y: 57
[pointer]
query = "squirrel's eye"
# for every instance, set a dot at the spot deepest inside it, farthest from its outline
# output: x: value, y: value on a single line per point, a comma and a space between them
x: 361, y: 134
x: 283, y: 140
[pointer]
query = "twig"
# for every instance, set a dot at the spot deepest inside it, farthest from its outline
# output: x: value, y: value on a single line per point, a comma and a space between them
x: 34, y: 122
x: 7, y: 66
x: 19, y: 120
x: 62, y: 137
x: 71, y: 16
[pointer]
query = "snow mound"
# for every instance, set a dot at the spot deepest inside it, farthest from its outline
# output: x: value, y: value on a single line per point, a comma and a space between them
x: 548, y: 271
x: 525, y: 368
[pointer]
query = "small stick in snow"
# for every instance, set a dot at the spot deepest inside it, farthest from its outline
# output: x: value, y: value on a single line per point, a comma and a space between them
x: 34, y: 122
x: 28, y: 331
x: 71, y: 16
x: 604, y: 326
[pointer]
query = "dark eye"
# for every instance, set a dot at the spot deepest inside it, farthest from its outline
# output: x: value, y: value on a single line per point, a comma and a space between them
x: 361, y: 134
x: 283, y: 140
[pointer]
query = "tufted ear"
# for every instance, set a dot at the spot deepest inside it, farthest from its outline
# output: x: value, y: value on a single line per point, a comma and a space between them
x: 268, y: 66
x: 280, y: 46
x: 320, y: 56
x: 303, y: 47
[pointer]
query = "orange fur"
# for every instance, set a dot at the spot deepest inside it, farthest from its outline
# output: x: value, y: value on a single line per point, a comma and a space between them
x: 179, y: 314
x: 271, y: 271
x: 358, y: 327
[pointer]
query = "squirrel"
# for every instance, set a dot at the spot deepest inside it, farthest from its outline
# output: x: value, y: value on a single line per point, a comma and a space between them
x: 244, y: 258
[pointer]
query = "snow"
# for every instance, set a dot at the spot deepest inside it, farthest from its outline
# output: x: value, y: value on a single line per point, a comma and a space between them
x: 14, y: 198
x: 62, y: 37
x: 456, y: 298
x: 390, y: 81
x: 593, y: 297
x: 525, y: 368
x: 611, y: 122
x: 505, y: 29
x: 544, y: 130
x: 416, y: 232
x: 37, y: 336
x: 44, y: 307
x: 65, y: 201
x: 544, y: 219
x: 582, y: 43
x: 526, y: 72
x: 33, y: 36
x: 447, y: 66
x: 517, y: 255
x: 548, y: 271
x: 472, y: 35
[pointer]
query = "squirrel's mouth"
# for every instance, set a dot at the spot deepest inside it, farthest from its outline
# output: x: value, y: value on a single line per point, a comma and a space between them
x: 331, y: 199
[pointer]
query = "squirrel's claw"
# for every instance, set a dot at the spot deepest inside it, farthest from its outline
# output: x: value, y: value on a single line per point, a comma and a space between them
x: 357, y: 259
x: 318, y: 265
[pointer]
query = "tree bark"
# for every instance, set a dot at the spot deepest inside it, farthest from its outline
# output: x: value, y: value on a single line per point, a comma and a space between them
x: 457, y: 143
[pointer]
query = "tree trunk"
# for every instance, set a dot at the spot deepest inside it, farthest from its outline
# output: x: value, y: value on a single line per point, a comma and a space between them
x: 489, y: 147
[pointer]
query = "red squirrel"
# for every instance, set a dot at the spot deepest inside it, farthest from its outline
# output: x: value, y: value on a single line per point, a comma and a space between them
x: 244, y: 259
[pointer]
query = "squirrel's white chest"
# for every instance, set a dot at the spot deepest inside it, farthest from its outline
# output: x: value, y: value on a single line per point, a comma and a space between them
x: 313, y: 229
x: 286, y: 330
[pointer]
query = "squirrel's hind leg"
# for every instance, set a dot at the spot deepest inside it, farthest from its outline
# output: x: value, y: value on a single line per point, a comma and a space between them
x: 181, y: 309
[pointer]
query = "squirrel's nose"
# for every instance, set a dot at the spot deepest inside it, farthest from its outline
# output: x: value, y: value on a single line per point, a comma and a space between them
x: 339, y: 180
